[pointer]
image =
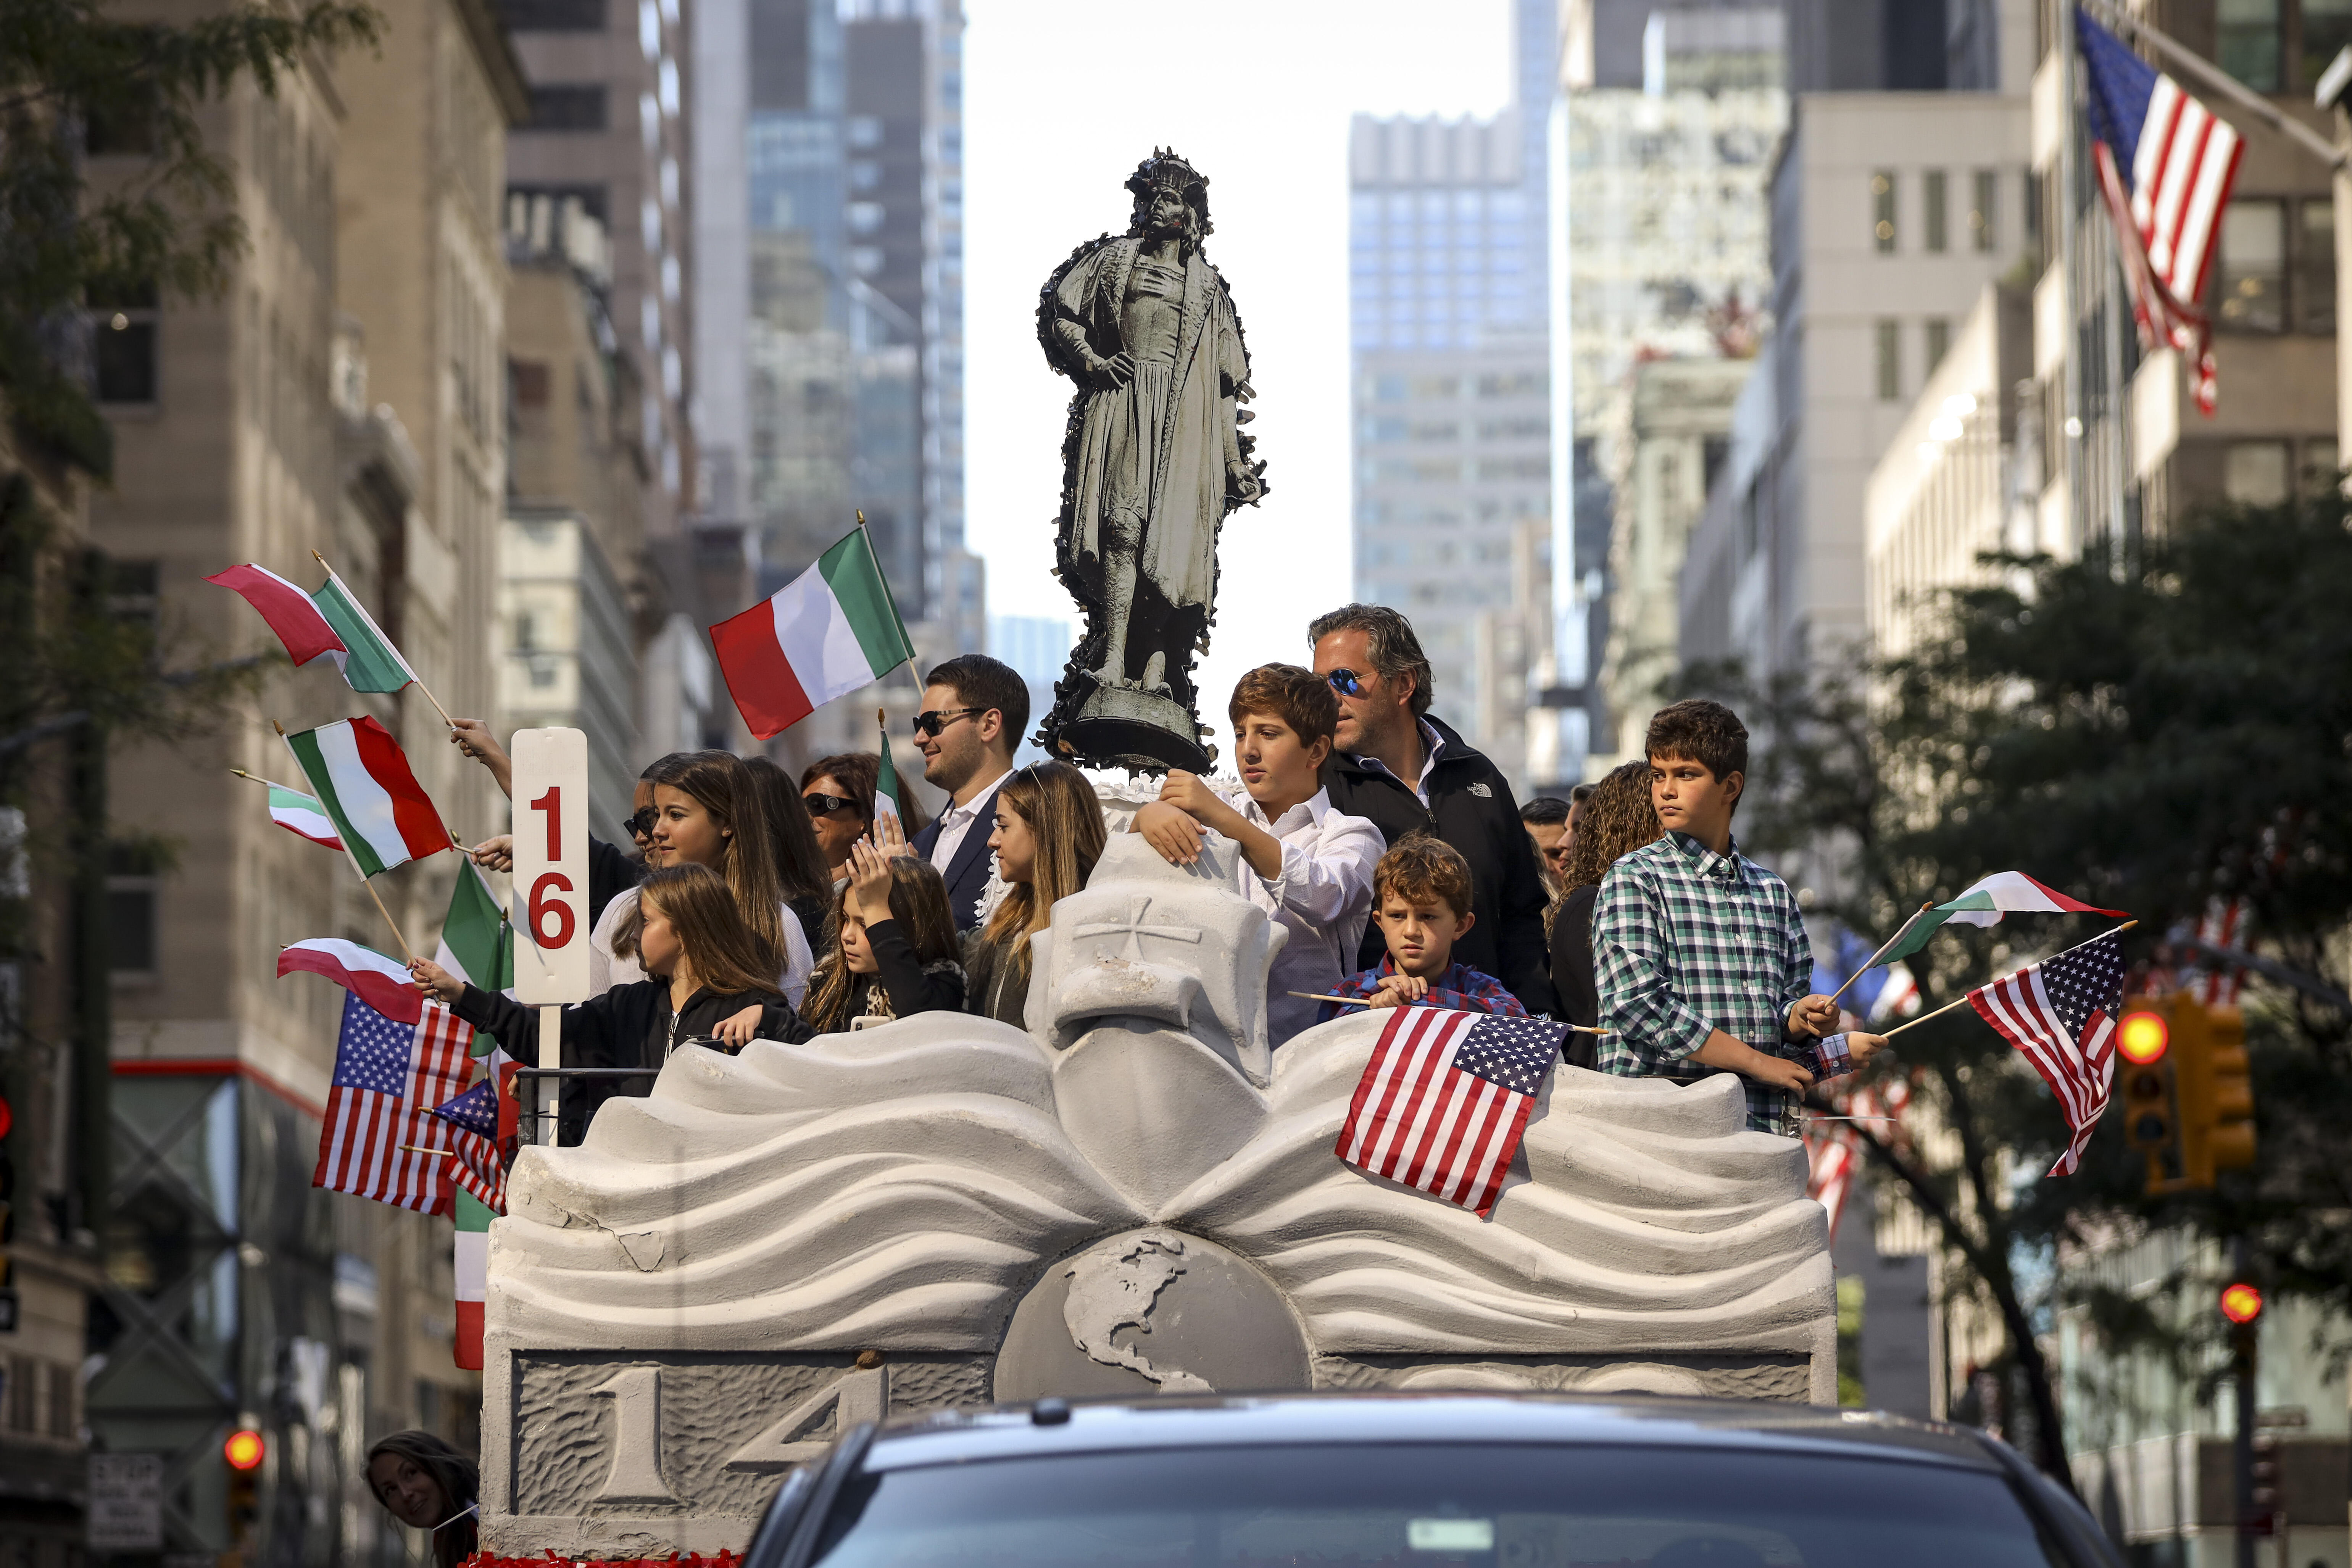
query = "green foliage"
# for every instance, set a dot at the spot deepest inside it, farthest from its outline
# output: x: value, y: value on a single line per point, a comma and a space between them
x: 70, y: 75
x: 2147, y: 736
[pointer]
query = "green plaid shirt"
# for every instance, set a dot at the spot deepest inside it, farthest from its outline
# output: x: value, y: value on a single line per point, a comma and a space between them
x: 1686, y: 941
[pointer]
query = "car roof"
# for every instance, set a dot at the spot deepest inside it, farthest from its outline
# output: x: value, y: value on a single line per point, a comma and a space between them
x: 1612, y: 1420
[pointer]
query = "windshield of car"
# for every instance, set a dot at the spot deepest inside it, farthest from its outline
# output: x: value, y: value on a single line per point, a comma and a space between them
x: 1479, y: 1506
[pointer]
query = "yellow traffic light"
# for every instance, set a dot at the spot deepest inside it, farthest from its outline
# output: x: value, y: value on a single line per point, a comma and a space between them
x: 2142, y: 1040
x: 2213, y: 1099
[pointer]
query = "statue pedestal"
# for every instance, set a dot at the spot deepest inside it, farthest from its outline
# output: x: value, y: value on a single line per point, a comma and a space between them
x: 947, y: 1211
x: 1128, y: 727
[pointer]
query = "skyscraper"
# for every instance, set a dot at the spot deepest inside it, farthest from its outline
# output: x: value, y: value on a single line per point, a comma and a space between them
x: 1452, y: 391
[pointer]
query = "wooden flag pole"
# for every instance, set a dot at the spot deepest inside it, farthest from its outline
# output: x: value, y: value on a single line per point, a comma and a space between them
x: 417, y: 679
x: 1963, y: 1001
x: 405, y: 950
x: 256, y: 778
x: 1875, y: 957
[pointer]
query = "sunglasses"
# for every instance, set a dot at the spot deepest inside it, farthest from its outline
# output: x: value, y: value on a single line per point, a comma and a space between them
x: 936, y: 720
x: 641, y: 824
x: 826, y: 804
x: 1346, y: 682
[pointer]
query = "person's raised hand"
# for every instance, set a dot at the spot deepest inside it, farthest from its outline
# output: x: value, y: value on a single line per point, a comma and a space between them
x: 1816, y: 1016
x: 1171, y: 831
x: 435, y: 981
x: 890, y: 834
x: 740, y: 1030
x: 473, y: 737
x: 496, y: 853
x: 869, y: 881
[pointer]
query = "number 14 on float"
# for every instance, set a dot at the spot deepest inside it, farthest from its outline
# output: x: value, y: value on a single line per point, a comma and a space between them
x: 551, y: 888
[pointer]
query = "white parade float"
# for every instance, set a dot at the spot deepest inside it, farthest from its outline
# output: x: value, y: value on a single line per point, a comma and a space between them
x: 1134, y: 1197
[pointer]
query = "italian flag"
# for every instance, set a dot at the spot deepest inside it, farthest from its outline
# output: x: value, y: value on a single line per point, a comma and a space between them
x: 473, y: 1271
x: 477, y: 944
x: 302, y: 816
x: 888, y: 790
x: 379, y: 810
x: 829, y: 631
x: 329, y: 623
x: 379, y: 981
x: 1982, y: 904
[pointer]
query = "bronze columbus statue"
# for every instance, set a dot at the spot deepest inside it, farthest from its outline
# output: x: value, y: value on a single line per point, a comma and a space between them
x: 1153, y: 459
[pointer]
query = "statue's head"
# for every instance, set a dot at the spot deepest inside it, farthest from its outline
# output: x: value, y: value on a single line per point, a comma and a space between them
x: 1171, y: 197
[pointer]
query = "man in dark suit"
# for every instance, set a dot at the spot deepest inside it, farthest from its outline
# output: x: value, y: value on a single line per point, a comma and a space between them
x: 974, y: 709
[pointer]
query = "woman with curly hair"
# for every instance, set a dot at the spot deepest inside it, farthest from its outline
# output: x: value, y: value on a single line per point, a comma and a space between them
x: 1615, y: 819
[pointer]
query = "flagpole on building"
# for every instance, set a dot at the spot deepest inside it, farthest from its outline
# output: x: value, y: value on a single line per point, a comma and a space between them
x: 2191, y: 64
x: 417, y: 679
x: 406, y: 952
x: 2069, y: 212
x: 1973, y: 989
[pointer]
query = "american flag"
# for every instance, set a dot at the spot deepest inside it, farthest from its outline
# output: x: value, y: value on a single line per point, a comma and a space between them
x: 2223, y: 925
x: 2165, y: 164
x: 476, y: 1160
x: 388, y: 1076
x: 1445, y: 1099
x: 2061, y: 1012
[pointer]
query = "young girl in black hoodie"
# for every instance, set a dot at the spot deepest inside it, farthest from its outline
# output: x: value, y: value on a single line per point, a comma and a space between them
x: 713, y: 983
x: 892, y: 950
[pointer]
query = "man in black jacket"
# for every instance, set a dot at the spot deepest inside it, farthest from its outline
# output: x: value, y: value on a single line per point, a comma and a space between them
x: 1407, y: 771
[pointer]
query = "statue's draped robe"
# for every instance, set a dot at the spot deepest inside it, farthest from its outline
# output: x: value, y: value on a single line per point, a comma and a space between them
x: 1156, y: 448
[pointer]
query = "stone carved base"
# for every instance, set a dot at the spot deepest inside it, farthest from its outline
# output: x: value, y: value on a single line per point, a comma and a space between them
x: 1128, y: 727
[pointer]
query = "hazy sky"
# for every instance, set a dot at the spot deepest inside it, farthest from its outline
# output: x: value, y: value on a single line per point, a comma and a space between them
x: 1062, y: 99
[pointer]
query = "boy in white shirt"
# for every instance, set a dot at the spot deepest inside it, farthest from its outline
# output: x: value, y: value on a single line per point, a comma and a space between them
x: 1307, y: 865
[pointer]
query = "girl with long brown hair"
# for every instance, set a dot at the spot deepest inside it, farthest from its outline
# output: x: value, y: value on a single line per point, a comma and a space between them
x: 1049, y: 833
x: 891, y: 949
x: 1615, y: 819
x: 713, y: 983
x: 707, y: 811
x: 428, y: 1485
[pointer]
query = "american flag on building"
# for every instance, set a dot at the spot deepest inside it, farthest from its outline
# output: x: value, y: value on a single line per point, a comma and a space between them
x: 1444, y: 1100
x: 2060, y: 1014
x: 2166, y: 164
x: 381, y: 1139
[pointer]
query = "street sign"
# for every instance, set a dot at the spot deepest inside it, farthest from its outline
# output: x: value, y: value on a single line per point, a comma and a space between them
x: 551, y: 888
x: 126, y: 1502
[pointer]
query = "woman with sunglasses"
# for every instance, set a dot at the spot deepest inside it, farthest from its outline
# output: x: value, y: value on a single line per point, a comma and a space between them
x: 838, y: 791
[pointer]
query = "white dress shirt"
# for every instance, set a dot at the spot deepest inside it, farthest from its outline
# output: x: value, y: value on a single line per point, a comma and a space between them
x: 1322, y: 896
x: 956, y: 821
x: 1432, y: 743
x: 607, y: 969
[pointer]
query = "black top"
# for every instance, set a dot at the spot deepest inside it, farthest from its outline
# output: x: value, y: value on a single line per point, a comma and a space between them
x: 1471, y: 808
x: 628, y: 1026
x: 992, y: 989
x: 967, y: 872
x: 1571, y: 970
x: 911, y: 986
x: 610, y: 870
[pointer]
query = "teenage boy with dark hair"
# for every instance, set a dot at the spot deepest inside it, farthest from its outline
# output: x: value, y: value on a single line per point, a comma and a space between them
x: 1407, y: 772
x: 1701, y: 953
x: 975, y: 709
x: 1422, y: 904
x: 1303, y: 863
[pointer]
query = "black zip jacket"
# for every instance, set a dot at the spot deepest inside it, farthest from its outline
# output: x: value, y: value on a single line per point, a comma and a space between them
x: 627, y: 1026
x: 912, y: 985
x: 1572, y: 973
x: 1470, y: 807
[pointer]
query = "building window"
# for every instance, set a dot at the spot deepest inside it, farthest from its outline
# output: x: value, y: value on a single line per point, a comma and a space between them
x: 1890, y: 361
x: 1882, y: 210
x: 123, y: 342
x: 567, y: 106
x: 2247, y: 41
x: 553, y: 15
x: 1980, y: 211
x: 2322, y: 468
x: 2254, y: 473
x: 1934, y: 217
x: 1939, y: 343
x: 2315, y: 268
x: 130, y: 895
x: 2251, y: 288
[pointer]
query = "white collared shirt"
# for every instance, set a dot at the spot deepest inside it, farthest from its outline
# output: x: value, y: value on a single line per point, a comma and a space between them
x: 1322, y: 896
x: 956, y: 821
x: 1432, y: 743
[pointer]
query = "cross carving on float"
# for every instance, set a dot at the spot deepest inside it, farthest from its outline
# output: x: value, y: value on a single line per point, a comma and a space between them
x: 1135, y: 928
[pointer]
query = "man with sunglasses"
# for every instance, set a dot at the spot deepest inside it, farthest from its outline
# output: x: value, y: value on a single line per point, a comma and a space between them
x: 1405, y: 770
x: 975, y: 709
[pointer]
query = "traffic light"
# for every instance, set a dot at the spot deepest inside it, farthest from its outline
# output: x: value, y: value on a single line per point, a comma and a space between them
x: 2241, y: 1303
x: 2189, y: 1100
x: 2264, y: 1495
x: 243, y: 1452
x: 7, y: 1212
x: 2144, y: 1039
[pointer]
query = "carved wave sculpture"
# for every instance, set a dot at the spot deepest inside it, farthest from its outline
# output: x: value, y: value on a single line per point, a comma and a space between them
x: 899, y: 1187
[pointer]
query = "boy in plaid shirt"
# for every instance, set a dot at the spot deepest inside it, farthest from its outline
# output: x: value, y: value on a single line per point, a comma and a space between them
x: 1701, y: 953
x: 1421, y: 901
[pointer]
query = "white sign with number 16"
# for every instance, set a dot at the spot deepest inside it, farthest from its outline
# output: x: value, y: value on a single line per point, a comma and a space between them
x: 551, y: 865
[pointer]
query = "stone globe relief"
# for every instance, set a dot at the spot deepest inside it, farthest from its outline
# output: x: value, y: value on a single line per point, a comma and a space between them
x: 1132, y: 1196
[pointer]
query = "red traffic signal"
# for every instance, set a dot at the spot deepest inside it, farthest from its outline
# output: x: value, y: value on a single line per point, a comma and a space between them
x: 2241, y: 1303
x: 7, y: 1117
x: 2143, y: 1037
x: 243, y: 1449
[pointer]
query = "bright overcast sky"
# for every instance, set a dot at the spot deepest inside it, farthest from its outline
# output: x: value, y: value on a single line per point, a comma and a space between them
x: 1062, y: 99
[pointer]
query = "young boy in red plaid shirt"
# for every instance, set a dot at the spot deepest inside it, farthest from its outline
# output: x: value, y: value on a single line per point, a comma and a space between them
x: 1421, y: 901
